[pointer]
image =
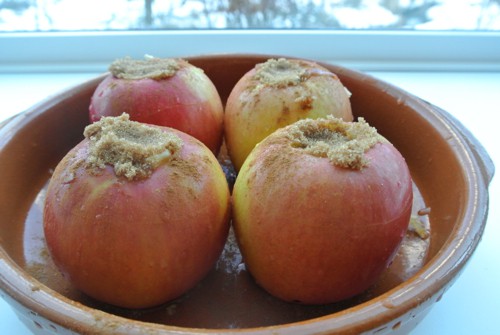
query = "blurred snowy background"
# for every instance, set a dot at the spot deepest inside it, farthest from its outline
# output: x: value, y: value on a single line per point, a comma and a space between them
x: 73, y: 15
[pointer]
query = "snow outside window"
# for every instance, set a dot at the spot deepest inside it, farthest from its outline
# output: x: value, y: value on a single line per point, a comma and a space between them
x: 62, y: 35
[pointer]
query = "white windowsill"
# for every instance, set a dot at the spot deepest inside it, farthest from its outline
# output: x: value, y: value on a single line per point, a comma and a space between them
x: 364, y: 50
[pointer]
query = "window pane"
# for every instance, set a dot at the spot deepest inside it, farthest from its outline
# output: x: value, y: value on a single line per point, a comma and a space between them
x: 76, y: 15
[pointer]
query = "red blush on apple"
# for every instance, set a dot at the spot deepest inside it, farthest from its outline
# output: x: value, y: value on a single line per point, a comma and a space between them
x: 165, y: 92
x: 320, y: 209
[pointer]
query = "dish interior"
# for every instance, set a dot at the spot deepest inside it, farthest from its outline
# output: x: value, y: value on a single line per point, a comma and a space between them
x: 227, y: 297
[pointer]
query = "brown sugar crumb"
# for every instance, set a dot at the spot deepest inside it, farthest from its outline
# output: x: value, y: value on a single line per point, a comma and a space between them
x: 150, y: 67
x: 343, y: 143
x: 132, y: 148
x: 280, y: 73
x: 305, y: 102
x: 418, y: 227
x: 424, y: 211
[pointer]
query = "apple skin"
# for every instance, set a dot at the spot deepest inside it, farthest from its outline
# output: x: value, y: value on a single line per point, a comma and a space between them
x: 314, y: 233
x: 187, y: 101
x: 139, y: 243
x: 254, y: 110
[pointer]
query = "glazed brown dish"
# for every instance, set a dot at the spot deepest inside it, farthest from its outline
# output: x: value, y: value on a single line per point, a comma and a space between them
x: 451, y: 173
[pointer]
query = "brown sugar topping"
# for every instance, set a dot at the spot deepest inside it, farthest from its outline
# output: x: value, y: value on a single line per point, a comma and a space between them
x: 343, y: 143
x: 280, y: 72
x: 150, y: 67
x: 133, y: 149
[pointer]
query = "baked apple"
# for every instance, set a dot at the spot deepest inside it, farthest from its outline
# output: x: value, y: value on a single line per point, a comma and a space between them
x: 135, y: 215
x: 320, y: 209
x: 275, y: 94
x: 165, y: 92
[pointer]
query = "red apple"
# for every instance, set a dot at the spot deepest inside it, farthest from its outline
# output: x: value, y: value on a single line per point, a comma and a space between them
x: 320, y: 208
x: 165, y: 92
x: 135, y: 215
x: 275, y: 94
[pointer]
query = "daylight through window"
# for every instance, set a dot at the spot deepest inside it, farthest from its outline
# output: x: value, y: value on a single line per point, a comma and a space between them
x: 91, y: 15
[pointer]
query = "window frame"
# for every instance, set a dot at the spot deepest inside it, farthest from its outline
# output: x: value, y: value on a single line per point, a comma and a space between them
x: 367, y: 50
